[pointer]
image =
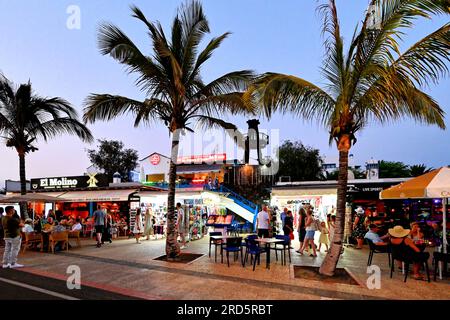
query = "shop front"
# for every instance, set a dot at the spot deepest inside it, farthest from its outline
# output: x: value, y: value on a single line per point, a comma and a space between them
x: 321, y: 197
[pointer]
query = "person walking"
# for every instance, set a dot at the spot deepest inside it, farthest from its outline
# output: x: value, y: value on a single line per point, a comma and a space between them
x: 11, y: 228
x: 324, y: 233
x: 310, y: 232
x: 262, y: 223
x: 99, y: 224
x: 148, y: 229
x: 138, y: 226
x: 180, y: 225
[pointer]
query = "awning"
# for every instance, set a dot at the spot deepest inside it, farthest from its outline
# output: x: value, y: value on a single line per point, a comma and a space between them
x: 98, y: 196
x: 435, y: 184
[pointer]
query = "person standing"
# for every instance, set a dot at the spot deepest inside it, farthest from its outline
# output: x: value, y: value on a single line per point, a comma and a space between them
x: 99, y: 224
x: 262, y: 223
x: 107, y: 231
x: 359, y: 229
x: 283, y: 217
x: 180, y: 225
x: 148, y: 230
x: 11, y: 227
x: 138, y: 226
x: 301, y: 228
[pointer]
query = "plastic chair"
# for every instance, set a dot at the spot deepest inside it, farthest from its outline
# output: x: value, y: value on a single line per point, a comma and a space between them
x: 252, y: 248
x: 215, y: 243
x: 440, y: 257
x: 378, y: 249
x: 282, y: 247
x: 233, y: 245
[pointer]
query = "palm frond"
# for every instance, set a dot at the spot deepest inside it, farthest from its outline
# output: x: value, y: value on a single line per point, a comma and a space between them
x: 206, y: 54
x: 205, y: 122
x: 108, y: 107
x: 426, y: 60
x: 274, y: 91
x: 65, y: 125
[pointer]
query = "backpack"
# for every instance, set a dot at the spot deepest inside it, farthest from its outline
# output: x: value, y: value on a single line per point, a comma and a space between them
x: 317, y: 224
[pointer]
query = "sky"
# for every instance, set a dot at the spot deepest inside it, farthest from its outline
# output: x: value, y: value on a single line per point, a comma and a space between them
x: 267, y: 35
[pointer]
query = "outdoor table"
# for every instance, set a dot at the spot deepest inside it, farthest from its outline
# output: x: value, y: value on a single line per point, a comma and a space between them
x: 223, y: 242
x: 267, y: 242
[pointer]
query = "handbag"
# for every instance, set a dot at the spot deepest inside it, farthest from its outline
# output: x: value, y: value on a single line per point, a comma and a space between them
x: 291, y: 236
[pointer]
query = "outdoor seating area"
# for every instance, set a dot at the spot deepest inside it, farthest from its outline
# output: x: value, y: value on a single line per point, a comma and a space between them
x: 251, y: 245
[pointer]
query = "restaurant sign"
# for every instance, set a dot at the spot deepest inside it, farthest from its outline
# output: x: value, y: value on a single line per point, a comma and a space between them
x: 64, y: 183
x: 204, y: 158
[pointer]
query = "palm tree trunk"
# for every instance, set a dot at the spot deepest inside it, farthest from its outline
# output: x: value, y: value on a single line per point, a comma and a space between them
x: 23, y: 185
x: 331, y: 260
x: 172, y: 247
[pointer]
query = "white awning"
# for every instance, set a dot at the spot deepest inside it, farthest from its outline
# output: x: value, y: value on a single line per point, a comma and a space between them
x: 98, y: 196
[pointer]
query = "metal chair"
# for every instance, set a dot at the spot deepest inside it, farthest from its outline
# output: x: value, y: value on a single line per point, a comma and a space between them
x: 399, y: 255
x: 252, y: 248
x: 282, y: 247
x: 378, y: 249
x: 214, y: 242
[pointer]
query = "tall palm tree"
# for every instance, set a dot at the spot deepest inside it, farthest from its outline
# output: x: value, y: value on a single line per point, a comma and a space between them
x: 175, y: 92
x: 419, y: 169
x: 370, y: 80
x: 26, y: 117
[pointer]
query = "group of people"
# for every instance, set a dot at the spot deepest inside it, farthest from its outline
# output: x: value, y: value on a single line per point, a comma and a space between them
x: 307, y: 225
x: 405, y: 241
x: 145, y: 226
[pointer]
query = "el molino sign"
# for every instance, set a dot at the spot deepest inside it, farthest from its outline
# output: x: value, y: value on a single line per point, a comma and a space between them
x: 77, y: 182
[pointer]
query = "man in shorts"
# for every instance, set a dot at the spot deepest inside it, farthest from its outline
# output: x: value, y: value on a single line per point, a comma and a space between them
x: 99, y: 223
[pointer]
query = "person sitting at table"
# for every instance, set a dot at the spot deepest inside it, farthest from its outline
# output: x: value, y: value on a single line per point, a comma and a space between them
x: 416, y: 233
x: 407, y: 250
x: 28, y: 226
x: 58, y: 227
x: 77, y: 226
x: 373, y: 236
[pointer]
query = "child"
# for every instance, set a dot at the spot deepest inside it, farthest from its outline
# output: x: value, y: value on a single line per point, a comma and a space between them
x: 323, y: 239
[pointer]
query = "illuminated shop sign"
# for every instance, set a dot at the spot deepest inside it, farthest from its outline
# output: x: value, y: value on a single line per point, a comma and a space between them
x: 155, y: 159
x: 77, y: 182
x: 208, y: 158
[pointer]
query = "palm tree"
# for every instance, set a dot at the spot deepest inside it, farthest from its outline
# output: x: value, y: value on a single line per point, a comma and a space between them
x: 26, y: 117
x: 419, y: 169
x: 372, y: 81
x: 175, y: 92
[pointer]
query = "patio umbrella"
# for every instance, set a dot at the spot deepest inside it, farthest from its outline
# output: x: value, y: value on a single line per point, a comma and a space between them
x: 434, y: 184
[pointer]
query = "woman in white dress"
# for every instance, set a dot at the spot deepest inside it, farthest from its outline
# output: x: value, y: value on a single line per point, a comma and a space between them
x: 148, y: 231
x: 138, y: 226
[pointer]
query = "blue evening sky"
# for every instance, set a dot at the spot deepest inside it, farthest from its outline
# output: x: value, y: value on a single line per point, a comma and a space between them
x: 268, y: 35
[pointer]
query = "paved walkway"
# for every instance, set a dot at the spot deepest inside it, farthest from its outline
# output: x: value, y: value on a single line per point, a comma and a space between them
x: 128, y: 268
